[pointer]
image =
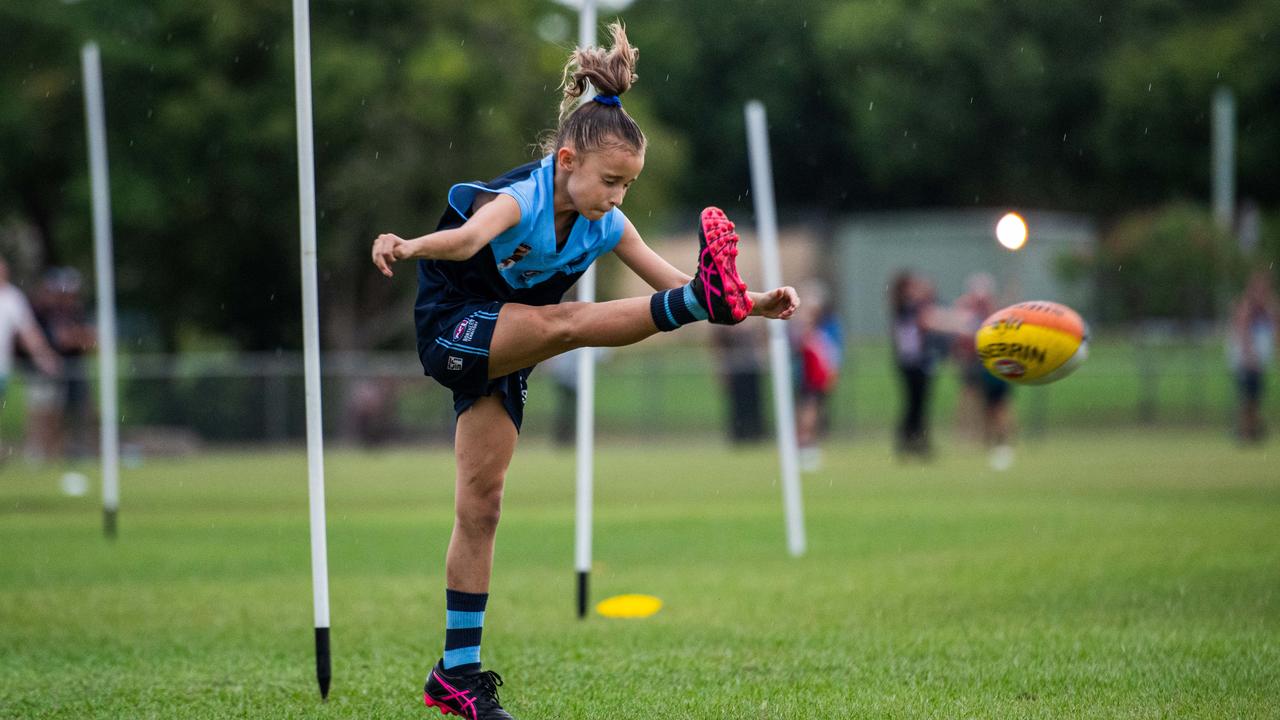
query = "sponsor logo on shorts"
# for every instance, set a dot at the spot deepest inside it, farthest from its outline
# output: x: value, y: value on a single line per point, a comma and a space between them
x: 455, y: 363
x: 466, y: 330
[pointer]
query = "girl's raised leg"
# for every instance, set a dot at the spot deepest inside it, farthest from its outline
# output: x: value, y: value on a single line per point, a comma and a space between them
x: 526, y: 335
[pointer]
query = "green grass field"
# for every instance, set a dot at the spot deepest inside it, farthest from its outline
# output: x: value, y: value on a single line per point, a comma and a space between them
x: 1133, y: 576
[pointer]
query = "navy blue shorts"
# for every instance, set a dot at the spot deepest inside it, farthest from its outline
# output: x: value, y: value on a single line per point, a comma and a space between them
x: 459, y: 360
x: 994, y: 390
x: 1250, y: 383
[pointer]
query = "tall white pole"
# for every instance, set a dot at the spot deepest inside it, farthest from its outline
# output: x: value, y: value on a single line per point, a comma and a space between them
x: 311, y: 339
x: 586, y: 397
x: 779, y: 350
x: 1224, y: 158
x: 106, y: 286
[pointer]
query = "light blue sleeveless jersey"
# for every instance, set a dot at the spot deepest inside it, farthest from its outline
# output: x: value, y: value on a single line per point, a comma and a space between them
x: 526, y: 254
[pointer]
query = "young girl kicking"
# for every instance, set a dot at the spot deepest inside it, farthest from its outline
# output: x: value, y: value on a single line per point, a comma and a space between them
x: 490, y: 281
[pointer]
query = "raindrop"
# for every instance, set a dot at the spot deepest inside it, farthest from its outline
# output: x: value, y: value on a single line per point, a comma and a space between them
x: 1148, y: 87
x: 377, y: 155
x: 1064, y: 137
x: 871, y: 105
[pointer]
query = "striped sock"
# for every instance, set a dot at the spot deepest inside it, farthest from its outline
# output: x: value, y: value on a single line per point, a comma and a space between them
x: 676, y: 307
x: 464, y: 621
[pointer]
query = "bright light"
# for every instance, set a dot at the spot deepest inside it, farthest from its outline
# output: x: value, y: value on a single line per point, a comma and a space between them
x: 1011, y: 231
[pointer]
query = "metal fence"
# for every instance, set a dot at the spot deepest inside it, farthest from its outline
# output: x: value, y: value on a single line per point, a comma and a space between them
x: 178, y: 403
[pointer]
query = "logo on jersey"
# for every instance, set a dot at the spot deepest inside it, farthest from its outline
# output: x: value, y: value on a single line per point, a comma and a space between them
x: 521, y: 250
x: 465, y: 330
x: 455, y: 363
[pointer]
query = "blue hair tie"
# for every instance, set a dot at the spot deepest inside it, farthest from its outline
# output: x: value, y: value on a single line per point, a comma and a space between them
x: 610, y: 100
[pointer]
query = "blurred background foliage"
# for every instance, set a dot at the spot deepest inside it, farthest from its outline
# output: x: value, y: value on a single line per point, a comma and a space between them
x: 1095, y: 107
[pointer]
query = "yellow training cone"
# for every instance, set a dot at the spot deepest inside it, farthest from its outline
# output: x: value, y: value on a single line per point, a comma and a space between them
x: 629, y: 606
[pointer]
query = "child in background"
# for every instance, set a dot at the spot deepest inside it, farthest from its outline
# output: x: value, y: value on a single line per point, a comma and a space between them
x: 820, y: 348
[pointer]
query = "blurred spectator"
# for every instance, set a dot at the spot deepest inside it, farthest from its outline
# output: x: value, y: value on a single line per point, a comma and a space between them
x: 1254, y: 324
x: 819, y: 345
x: 17, y: 320
x: 58, y: 406
x: 371, y: 406
x: 984, y: 398
x: 916, y: 323
x: 563, y: 369
x: 737, y: 349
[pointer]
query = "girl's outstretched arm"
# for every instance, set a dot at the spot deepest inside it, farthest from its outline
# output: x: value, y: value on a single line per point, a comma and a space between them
x: 647, y: 264
x: 489, y: 221
x: 780, y: 303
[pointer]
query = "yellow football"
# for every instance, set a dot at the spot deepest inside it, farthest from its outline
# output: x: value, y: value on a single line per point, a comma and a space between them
x: 1033, y: 343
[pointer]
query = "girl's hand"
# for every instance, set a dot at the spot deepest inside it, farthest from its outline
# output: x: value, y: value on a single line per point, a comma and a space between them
x: 778, y: 304
x: 387, y: 249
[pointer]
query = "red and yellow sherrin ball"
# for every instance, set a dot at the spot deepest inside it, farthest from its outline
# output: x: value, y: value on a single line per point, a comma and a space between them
x: 1033, y: 343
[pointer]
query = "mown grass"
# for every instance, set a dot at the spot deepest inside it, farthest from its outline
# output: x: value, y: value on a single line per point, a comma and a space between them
x: 1105, y: 576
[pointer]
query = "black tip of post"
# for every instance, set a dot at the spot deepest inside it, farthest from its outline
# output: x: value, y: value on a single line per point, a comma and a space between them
x: 109, y: 523
x: 582, y: 594
x: 324, y: 670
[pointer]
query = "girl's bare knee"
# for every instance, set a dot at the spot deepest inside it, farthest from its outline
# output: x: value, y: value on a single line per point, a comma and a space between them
x: 478, y: 514
x: 559, y: 324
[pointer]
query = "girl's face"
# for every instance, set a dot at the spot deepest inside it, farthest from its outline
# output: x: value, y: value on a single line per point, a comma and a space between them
x: 597, y: 181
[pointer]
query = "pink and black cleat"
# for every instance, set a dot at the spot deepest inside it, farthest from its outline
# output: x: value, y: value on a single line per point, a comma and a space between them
x: 717, y: 286
x: 471, y: 696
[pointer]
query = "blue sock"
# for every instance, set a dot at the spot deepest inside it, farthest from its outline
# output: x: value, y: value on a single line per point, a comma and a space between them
x: 464, y: 621
x: 676, y: 307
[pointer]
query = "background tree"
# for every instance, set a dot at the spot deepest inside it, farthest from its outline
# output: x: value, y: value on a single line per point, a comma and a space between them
x: 1095, y: 106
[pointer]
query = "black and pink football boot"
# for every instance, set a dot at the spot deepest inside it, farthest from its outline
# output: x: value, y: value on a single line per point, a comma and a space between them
x: 717, y: 287
x: 471, y: 696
